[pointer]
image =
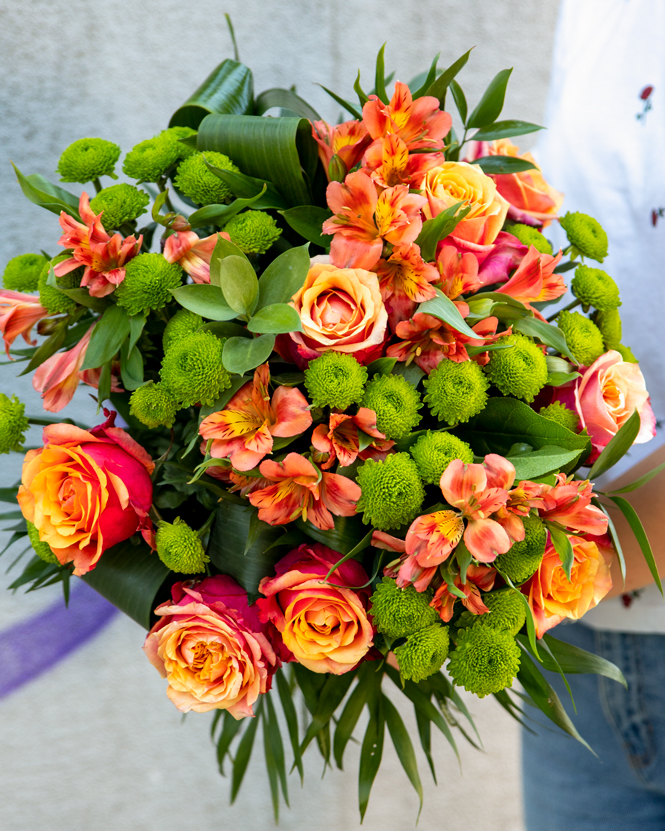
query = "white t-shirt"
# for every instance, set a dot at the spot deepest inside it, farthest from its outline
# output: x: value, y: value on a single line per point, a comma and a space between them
x: 605, y: 149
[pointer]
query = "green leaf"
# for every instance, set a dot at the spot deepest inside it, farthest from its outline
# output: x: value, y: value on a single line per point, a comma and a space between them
x: 540, y: 462
x: 228, y: 89
x: 222, y: 329
x: 574, y: 660
x: 46, y: 349
x: 562, y: 546
x: 221, y: 214
x: 350, y: 108
x: 223, y: 248
x: 307, y: 220
x: 276, y: 319
x: 547, y: 333
x: 439, y: 88
x: 206, y: 300
x: 130, y: 576
x: 640, y: 535
x: 371, y: 752
x: 615, y: 537
x: 434, y: 230
x: 364, y: 543
x: 8, y: 494
x: 243, y: 754
x: 413, y: 373
x: 545, y: 698
x: 329, y: 698
x: 424, y: 726
x: 291, y: 719
x: 426, y: 79
x: 271, y: 726
x: 84, y: 298
x: 639, y: 482
x: 505, y: 129
x: 618, y: 446
x: 241, y: 354
x: 495, y: 165
x: 284, y: 277
x: 344, y: 537
x: 287, y: 100
x: 403, y: 747
x: 490, y: 105
x: 362, y: 96
x: 459, y: 99
x: 380, y: 76
x: 558, y: 379
x: 247, y: 187
x: 381, y: 366
x: 107, y: 337
x: 136, y: 324
x: 51, y: 197
x: 229, y: 732
x: 444, y: 308
x: 239, y: 284
x: 281, y: 149
x: 131, y: 368
x: 347, y: 721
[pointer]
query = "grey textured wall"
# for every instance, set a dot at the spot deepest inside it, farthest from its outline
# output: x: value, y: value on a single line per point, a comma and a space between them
x: 95, y: 743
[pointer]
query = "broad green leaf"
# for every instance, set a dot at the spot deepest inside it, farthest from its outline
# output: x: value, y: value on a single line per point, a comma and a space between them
x: 282, y: 150
x: 276, y: 319
x: 130, y: 576
x: 41, y: 192
x: 291, y: 719
x: 241, y: 354
x: 381, y: 366
x: 228, y: 89
x: 643, y: 480
x: 640, y: 535
x: 547, y: 333
x: 495, y: 165
x: 221, y: 214
x: 248, y: 187
x: 239, y: 284
x: 562, y: 546
x: 206, y: 300
x: 434, y: 230
x: 413, y: 373
x: 444, y: 308
x: 284, y: 277
x: 371, y: 752
x: 460, y: 100
x: 244, y: 753
x: 490, y: 105
x: 403, y: 747
x: 574, y: 660
x: 344, y: 537
x: 618, y: 446
x: 287, y: 100
x: 131, y: 368
x: 505, y: 129
x: 307, y: 220
x: 84, y: 298
x: 351, y: 713
x: 107, y: 337
x: 136, y: 324
x: 9, y: 494
x: 223, y: 248
x: 425, y: 80
x: 558, y: 379
x: 226, y: 329
x: 540, y: 462
x: 439, y: 88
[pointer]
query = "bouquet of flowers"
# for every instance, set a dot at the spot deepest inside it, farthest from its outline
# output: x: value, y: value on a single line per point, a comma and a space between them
x: 342, y: 446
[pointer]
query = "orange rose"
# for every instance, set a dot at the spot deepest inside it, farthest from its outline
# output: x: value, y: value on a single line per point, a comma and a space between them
x: 340, y: 309
x: 529, y: 195
x: 553, y: 597
x: 454, y: 182
x: 85, y: 491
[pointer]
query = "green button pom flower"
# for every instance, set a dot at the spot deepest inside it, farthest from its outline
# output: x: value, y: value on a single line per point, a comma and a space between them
x: 87, y: 159
x: 523, y: 558
x: 253, y: 231
x: 335, y: 380
x: 13, y: 424
x: 586, y: 236
x: 149, y: 160
x: 180, y: 548
x: 120, y: 204
x: 153, y: 405
x: 531, y: 236
x: 392, y: 492
x: 435, y: 450
x: 192, y: 370
x: 456, y: 391
x: 583, y: 337
x: 423, y: 653
x: 560, y: 414
x: 609, y: 323
x: 396, y: 403
x: 182, y: 323
x: 595, y: 288
x: 485, y: 661
x: 149, y: 279
x: 200, y: 184
x: 41, y: 549
x: 400, y: 612
x: 506, y: 611
x: 22, y: 272
x: 54, y: 301
x: 174, y: 134
x: 520, y: 369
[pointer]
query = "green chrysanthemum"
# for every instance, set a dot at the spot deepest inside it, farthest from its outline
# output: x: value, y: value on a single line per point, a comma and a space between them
x: 88, y: 159
x: 506, y: 611
x: 485, y: 661
x: 583, y: 337
x: 13, y: 424
x: 560, y: 414
x: 153, y: 405
x: 423, y: 653
x: 174, y: 134
x: 523, y: 559
x: 595, y: 288
x: 396, y: 403
x: 41, y: 549
x: 22, y: 273
x: 182, y: 323
x: 456, y: 392
x: 392, y: 492
x: 148, y: 281
x: 192, y: 370
x: 609, y: 323
x: 520, y: 369
x: 400, y: 612
x: 435, y: 450
x: 335, y: 380
x: 54, y: 301
x: 120, y: 203
x: 180, y: 548
x: 586, y: 235
x: 531, y: 236
x: 626, y: 353
x: 253, y: 231
x: 196, y: 181
x: 149, y: 160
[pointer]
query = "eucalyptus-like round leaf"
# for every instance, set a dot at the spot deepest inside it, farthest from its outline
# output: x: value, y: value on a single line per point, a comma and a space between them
x: 277, y: 319
x: 239, y: 283
x: 284, y: 276
x: 206, y: 300
x: 241, y: 355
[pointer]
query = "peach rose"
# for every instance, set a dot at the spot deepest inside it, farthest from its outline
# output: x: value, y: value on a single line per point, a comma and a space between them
x: 325, y: 626
x: 340, y: 309
x: 211, y: 646
x: 454, y: 182
x: 86, y: 491
x: 553, y: 597
x: 607, y: 395
x: 531, y: 199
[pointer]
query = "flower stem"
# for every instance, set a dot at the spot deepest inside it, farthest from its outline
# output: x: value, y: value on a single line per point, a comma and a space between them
x: 97, y: 184
x: 571, y: 305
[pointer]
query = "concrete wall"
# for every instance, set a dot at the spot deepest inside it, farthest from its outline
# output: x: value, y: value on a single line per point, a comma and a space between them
x: 95, y: 743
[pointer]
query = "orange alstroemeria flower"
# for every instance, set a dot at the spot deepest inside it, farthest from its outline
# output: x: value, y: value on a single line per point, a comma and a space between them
x: 339, y: 440
x: 301, y: 490
x: 391, y: 164
x: 405, y: 280
x: 347, y: 141
x: 458, y: 270
x: 243, y: 431
x: 364, y: 219
x: 18, y: 314
x: 569, y: 503
x: 192, y: 253
x: 430, y: 540
x: 478, y: 578
x: 104, y: 257
x: 534, y: 279
x: 420, y: 124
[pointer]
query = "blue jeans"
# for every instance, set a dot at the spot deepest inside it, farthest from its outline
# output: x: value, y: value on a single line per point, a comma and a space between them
x: 566, y: 788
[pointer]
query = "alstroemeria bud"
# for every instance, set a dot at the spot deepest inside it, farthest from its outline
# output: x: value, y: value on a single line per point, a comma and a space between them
x: 336, y: 169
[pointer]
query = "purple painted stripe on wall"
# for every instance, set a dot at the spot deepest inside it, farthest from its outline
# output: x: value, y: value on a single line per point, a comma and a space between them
x: 34, y: 646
